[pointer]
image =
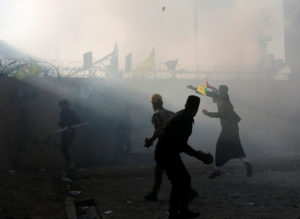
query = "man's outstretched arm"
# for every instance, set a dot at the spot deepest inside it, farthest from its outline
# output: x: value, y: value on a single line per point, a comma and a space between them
x: 211, y: 114
x: 213, y: 94
x: 206, y: 158
x: 193, y: 88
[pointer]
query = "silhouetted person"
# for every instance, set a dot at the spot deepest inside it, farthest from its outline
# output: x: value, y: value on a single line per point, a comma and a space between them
x: 68, y: 118
x: 123, y: 134
x: 159, y: 120
x: 228, y: 145
x: 172, y: 142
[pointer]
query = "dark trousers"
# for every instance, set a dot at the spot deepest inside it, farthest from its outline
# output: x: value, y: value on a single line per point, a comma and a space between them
x: 180, y: 180
x: 158, y: 173
x: 65, y: 143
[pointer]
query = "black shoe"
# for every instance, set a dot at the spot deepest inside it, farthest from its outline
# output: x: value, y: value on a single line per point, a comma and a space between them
x: 215, y: 174
x: 249, y: 169
x: 151, y: 197
x: 188, y: 214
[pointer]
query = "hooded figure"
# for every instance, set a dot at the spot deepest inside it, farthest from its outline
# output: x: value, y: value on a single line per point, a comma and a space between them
x: 228, y: 145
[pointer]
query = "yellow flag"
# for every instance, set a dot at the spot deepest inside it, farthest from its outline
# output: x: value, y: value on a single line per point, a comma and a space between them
x: 21, y: 74
x: 146, y: 68
x: 202, y: 89
x: 34, y: 69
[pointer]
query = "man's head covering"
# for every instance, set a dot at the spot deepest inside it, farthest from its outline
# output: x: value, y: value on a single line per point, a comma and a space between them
x: 223, y: 91
x: 192, y: 102
x: 223, y: 88
x: 156, y: 98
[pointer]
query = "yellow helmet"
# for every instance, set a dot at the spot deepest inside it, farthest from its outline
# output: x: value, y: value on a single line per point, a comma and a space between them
x: 156, y: 98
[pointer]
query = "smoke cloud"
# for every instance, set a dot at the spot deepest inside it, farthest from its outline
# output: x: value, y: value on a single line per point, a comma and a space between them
x: 229, y: 32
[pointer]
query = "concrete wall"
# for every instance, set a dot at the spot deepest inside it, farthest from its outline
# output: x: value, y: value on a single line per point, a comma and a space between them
x: 29, y: 114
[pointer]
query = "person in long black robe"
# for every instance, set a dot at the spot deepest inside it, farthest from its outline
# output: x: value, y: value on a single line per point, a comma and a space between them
x: 228, y: 145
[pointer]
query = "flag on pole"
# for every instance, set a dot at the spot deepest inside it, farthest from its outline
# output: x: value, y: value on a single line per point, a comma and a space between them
x: 31, y: 69
x: 171, y: 64
x: 128, y: 63
x: 34, y: 68
x: 146, y: 68
x: 21, y: 74
x: 202, y: 89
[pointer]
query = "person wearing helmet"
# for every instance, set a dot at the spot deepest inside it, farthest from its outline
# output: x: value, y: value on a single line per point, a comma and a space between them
x: 173, y: 141
x: 159, y: 120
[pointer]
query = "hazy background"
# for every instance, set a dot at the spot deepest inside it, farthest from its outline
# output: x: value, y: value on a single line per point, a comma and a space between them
x: 228, y: 31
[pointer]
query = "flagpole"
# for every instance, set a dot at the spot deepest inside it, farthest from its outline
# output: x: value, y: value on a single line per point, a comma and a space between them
x: 196, y: 24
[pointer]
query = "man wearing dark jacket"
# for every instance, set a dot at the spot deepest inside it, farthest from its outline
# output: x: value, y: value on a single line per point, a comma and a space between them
x: 68, y: 118
x: 172, y: 142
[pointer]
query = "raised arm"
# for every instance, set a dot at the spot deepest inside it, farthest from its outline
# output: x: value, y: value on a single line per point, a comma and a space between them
x: 213, y: 94
x: 193, y: 88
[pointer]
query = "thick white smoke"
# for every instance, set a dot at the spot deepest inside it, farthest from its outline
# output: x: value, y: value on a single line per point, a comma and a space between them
x: 229, y: 32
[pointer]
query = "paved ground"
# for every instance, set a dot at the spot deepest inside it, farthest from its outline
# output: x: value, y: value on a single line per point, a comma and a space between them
x: 32, y: 194
x: 273, y: 191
